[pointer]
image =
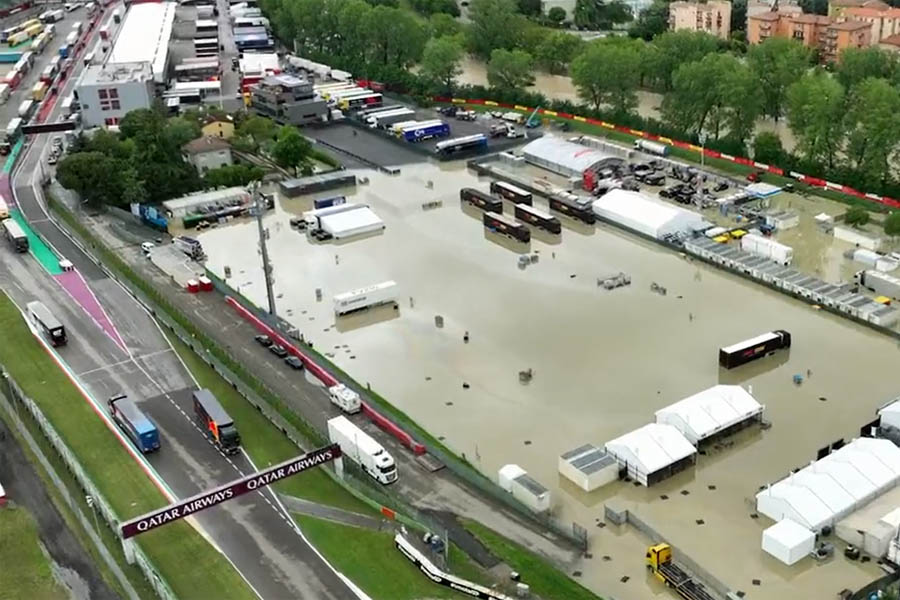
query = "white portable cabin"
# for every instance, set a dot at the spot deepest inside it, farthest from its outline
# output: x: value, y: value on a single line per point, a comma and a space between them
x: 515, y: 480
x: 788, y: 541
x: 588, y: 467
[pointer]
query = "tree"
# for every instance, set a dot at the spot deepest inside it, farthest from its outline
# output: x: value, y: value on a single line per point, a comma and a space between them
x: 440, y: 62
x: 815, y: 107
x: 257, y: 129
x: 557, y: 15
x: 857, y: 64
x: 653, y: 21
x: 608, y: 72
x: 814, y: 7
x: 395, y: 37
x: 530, y: 8
x: 738, y: 16
x: 510, y: 70
x: 856, y: 216
x: 778, y: 62
x: 873, y: 129
x: 233, y: 175
x: 892, y: 224
x: 291, y: 149
x: 601, y: 14
x: 767, y: 148
x: 675, y: 48
x: 557, y: 50
x: 180, y: 131
x: 93, y: 176
x: 493, y: 26
x: 443, y: 25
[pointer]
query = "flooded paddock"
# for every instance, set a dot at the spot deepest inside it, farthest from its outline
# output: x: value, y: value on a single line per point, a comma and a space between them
x: 602, y: 361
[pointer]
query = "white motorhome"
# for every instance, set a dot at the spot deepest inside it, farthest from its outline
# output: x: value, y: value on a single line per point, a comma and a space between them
x: 345, y: 398
x: 357, y: 446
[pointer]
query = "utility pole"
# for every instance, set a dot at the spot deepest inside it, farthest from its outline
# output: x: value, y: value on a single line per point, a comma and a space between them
x: 260, y: 205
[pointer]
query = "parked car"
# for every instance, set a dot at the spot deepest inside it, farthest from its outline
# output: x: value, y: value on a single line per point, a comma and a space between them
x: 278, y: 350
x: 146, y: 247
x: 263, y: 340
x: 720, y: 187
x: 294, y: 363
x: 466, y: 115
x: 653, y: 178
x: 448, y: 110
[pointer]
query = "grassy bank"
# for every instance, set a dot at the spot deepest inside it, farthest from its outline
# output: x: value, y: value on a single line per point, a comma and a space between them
x: 718, y: 164
x: 545, y: 581
x: 265, y: 444
x: 121, y: 481
x: 25, y: 570
x: 370, y: 559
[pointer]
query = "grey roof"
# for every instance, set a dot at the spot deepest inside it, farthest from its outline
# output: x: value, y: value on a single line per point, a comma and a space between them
x: 566, y: 155
x: 588, y: 458
x: 530, y: 484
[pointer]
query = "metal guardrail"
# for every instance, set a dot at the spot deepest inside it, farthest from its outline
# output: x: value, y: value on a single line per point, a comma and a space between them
x: 100, y: 504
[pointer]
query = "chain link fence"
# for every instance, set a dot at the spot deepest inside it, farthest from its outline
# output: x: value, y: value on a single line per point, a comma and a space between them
x: 18, y: 398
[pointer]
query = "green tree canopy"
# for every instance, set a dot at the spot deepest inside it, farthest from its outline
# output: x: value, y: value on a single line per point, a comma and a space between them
x: 815, y: 107
x: 395, y: 37
x: 856, y: 216
x: 443, y: 25
x: 608, y: 72
x: 291, y: 149
x: 557, y: 14
x: 232, y: 175
x: 858, y: 64
x: 493, y: 26
x: 601, y: 14
x: 440, y: 62
x: 892, y: 224
x: 510, y: 69
x: 557, y: 50
x: 873, y: 129
x: 777, y: 62
x: 767, y: 148
x: 653, y: 21
x: 675, y: 48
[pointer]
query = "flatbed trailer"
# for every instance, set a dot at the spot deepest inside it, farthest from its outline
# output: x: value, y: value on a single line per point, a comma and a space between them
x: 659, y: 561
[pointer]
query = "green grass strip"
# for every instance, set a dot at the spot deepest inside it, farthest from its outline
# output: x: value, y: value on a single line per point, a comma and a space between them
x: 24, y: 568
x: 545, y: 581
x: 121, y: 481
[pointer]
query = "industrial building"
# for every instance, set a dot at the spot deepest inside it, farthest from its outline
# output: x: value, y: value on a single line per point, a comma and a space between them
x: 640, y: 213
x: 588, y: 467
x: 652, y: 453
x: 292, y: 188
x: 133, y: 70
x: 833, y: 487
x: 566, y: 158
x: 180, y: 207
x: 712, y: 413
x: 287, y: 99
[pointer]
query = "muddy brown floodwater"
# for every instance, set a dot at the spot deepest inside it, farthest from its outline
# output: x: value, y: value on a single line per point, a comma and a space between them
x: 603, y: 362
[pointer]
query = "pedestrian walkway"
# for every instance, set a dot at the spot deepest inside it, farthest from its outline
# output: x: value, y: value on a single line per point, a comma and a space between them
x: 41, y: 252
x: 330, y: 513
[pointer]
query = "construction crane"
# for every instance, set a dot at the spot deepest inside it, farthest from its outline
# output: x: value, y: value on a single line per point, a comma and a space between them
x: 533, y: 121
x: 659, y: 561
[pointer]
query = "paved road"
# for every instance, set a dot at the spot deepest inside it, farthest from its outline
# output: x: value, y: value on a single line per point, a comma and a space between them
x: 252, y: 531
x: 25, y: 487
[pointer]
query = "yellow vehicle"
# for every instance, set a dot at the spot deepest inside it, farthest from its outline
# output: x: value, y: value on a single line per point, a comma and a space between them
x: 737, y: 233
x: 660, y: 563
x: 883, y: 300
x: 721, y: 239
x: 39, y: 91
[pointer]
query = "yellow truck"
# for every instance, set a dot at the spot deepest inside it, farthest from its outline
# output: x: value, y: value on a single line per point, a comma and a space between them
x: 39, y: 91
x: 660, y: 563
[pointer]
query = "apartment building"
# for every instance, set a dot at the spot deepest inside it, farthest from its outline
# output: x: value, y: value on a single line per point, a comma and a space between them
x: 847, y: 34
x: 758, y: 7
x: 884, y: 22
x: 817, y: 32
x: 713, y: 17
x: 836, y: 8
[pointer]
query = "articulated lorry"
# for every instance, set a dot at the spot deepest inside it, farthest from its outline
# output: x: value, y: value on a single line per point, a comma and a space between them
x: 134, y: 423
x: 357, y: 446
x: 660, y: 563
x: 215, y: 422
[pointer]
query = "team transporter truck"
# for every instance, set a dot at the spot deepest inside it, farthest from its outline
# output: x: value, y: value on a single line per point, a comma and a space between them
x: 660, y: 563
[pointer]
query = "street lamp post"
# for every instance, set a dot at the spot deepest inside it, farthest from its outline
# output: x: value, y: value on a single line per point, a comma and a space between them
x: 260, y: 205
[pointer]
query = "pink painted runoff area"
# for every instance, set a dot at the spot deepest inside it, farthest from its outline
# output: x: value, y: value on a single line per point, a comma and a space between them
x: 78, y: 289
x: 327, y: 378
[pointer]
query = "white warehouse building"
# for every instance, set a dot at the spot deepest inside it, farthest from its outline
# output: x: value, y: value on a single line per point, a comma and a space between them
x: 652, y: 453
x: 712, y: 413
x: 642, y: 214
x: 831, y: 488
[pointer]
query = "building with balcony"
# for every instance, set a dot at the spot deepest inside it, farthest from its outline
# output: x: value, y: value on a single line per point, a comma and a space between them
x: 840, y: 36
x: 884, y: 22
x: 758, y: 7
x: 827, y: 36
x: 713, y: 17
x: 287, y: 99
x: 836, y: 8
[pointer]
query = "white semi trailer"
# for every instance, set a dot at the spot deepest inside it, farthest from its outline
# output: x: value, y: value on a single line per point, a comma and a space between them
x: 367, y: 297
x: 357, y: 446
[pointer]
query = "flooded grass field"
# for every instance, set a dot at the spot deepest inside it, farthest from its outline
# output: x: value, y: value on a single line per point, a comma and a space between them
x: 602, y: 363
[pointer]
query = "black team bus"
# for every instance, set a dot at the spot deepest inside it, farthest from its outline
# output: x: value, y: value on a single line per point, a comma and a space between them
x: 542, y: 220
x: 576, y: 210
x: 510, y: 192
x: 52, y: 329
x: 481, y: 200
x: 748, y: 350
x: 504, y: 225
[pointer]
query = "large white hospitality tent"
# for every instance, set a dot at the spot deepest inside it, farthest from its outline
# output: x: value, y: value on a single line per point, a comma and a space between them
x: 648, y: 216
x: 652, y: 452
x: 829, y: 489
x: 711, y: 413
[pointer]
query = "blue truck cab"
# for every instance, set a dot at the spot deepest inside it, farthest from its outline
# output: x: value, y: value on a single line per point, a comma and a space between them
x: 134, y: 423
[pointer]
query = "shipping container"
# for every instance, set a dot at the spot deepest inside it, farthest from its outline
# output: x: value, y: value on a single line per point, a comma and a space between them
x: 514, y: 194
x: 571, y: 208
x: 500, y: 223
x: 754, y: 348
x: 481, y: 200
x: 540, y: 219
x: 767, y: 248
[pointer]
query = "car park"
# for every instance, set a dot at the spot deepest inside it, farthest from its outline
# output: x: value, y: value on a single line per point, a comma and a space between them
x: 294, y: 363
x: 263, y: 340
x: 278, y: 350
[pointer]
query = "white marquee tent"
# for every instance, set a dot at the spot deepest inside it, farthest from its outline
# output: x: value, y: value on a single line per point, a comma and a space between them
x: 652, y: 452
x: 833, y: 487
x: 643, y: 214
x: 710, y: 412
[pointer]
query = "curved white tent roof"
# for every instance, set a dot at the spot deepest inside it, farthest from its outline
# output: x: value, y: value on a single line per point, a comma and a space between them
x: 641, y: 213
x: 834, y: 486
x: 710, y: 411
x: 651, y: 448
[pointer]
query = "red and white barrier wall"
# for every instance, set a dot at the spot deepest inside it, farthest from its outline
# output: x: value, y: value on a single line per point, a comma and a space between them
x: 813, y: 181
x: 326, y: 378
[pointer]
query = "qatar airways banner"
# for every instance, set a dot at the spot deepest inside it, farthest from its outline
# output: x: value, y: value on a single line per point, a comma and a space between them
x: 250, y: 483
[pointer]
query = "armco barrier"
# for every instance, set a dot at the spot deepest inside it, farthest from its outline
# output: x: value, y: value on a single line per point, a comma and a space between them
x: 811, y: 181
x: 326, y: 378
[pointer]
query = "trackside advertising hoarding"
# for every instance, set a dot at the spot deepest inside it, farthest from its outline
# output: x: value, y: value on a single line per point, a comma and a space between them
x: 236, y: 488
